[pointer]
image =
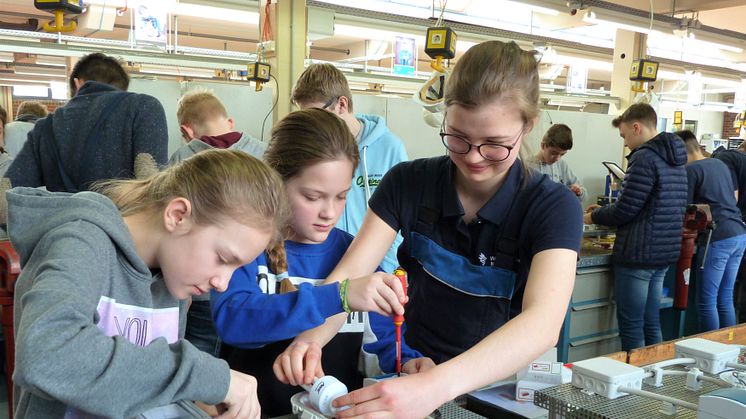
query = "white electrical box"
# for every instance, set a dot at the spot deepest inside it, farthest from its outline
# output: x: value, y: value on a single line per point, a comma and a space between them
x: 711, y: 356
x: 604, y: 376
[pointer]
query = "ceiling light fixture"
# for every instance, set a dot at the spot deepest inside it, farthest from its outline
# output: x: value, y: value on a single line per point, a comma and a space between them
x: 215, y: 13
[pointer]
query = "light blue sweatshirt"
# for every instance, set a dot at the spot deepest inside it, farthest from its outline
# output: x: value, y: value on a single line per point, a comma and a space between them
x: 380, y: 150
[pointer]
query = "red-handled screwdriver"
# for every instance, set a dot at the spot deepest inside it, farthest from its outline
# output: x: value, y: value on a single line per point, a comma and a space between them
x: 399, y: 318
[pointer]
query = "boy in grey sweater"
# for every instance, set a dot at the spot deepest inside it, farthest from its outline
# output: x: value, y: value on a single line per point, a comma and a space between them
x: 557, y: 141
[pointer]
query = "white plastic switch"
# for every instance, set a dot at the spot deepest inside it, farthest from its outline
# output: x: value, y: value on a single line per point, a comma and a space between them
x: 604, y: 376
x: 711, y: 357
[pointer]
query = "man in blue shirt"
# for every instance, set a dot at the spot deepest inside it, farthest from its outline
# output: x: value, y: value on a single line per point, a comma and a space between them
x: 710, y: 183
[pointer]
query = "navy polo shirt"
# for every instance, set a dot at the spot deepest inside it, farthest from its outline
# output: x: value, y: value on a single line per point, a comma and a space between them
x: 736, y: 162
x: 710, y: 183
x: 451, y: 310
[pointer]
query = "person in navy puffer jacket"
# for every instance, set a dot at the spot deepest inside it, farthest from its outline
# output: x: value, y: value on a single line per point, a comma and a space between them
x: 648, y: 216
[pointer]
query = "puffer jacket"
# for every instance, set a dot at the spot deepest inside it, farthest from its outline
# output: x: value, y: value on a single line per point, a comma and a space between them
x: 649, y: 213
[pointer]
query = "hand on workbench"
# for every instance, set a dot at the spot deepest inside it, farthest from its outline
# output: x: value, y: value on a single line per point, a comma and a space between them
x: 590, y: 208
x: 414, y: 396
x: 379, y: 292
x: 299, y: 363
x: 415, y: 365
x: 587, y: 218
x: 241, y: 400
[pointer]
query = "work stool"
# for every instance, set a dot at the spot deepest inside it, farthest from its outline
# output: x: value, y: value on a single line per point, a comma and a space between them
x: 10, y: 268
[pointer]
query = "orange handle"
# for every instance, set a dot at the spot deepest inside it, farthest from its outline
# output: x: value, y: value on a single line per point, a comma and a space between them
x: 402, y: 275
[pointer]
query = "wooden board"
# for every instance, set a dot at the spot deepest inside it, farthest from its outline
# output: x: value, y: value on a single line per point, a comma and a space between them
x: 665, y: 350
x: 618, y: 356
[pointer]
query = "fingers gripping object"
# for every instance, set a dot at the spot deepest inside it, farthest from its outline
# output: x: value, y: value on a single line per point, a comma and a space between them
x: 399, y: 318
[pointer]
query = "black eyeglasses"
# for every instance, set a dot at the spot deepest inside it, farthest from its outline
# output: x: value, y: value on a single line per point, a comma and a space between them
x: 330, y: 102
x: 460, y: 144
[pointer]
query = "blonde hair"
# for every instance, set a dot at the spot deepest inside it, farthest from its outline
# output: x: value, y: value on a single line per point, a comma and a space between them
x: 33, y: 107
x: 495, y: 70
x: 219, y: 184
x: 320, y: 83
x: 198, y: 107
x: 300, y: 140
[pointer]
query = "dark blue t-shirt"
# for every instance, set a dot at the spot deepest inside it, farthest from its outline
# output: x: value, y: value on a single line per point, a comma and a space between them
x: 452, y: 308
x: 710, y: 183
x: 736, y: 162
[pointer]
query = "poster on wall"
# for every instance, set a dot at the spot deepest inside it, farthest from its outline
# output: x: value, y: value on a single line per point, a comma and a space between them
x: 404, y: 56
x: 151, y: 23
x: 577, y: 79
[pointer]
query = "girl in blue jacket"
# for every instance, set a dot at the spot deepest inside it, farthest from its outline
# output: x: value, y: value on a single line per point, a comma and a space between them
x: 490, y: 250
x: 274, y: 298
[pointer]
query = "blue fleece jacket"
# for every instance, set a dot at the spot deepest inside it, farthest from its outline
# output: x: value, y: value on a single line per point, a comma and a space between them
x: 55, y: 148
x: 380, y: 150
x: 252, y: 313
x: 649, y: 213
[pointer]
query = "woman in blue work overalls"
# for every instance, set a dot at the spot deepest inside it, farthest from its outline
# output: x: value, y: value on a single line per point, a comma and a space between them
x: 490, y: 248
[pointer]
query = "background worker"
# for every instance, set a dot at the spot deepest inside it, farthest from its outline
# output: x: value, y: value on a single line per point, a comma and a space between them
x: 648, y: 216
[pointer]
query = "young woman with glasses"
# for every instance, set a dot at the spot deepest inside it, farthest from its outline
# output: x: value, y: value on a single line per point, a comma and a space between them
x: 490, y: 248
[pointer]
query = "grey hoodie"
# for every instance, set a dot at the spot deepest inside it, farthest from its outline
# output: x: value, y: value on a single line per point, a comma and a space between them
x: 95, y: 330
x: 248, y: 144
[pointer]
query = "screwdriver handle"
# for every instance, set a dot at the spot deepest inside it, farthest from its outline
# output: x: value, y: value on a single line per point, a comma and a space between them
x: 402, y: 275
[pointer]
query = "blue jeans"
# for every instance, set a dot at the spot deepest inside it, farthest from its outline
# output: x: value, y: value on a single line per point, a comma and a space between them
x: 638, y: 296
x: 715, y: 292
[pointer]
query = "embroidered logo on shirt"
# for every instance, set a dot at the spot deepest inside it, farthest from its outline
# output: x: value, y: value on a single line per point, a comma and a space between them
x: 482, y: 259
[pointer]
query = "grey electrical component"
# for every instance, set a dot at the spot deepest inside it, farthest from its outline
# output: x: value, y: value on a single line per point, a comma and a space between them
x: 726, y: 403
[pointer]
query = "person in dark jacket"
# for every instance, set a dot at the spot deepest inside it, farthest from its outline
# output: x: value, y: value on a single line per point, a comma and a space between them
x: 97, y: 135
x: 709, y: 183
x: 648, y: 216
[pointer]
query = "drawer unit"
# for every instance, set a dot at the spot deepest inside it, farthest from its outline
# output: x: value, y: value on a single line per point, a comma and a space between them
x: 593, y: 347
x: 592, y: 320
x: 593, y: 284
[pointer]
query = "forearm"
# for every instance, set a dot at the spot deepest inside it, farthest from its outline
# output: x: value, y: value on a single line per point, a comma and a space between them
x: 324, y: 333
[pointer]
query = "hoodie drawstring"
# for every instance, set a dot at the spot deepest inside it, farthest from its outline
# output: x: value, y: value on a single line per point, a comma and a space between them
x: 365, y: 171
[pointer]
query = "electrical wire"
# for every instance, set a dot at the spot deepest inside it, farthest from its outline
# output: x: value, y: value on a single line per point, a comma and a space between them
x: 656, y: 396
x: 671, y: 362
x: 651, y: 16
x: 443, y: 4
x: 736, y: 365
x: 277, y: 96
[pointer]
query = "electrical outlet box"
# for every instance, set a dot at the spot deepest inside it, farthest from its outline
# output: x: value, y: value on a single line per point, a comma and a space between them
x: 604, y: 376
x: 266, y: 48
x: 711, y: 356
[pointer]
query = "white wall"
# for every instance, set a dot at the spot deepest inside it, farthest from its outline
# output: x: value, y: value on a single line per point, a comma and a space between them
x: 708, y: 122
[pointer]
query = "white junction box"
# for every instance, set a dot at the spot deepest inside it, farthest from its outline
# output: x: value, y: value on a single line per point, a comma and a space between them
x: 711, y: 356
x: 604, y: 376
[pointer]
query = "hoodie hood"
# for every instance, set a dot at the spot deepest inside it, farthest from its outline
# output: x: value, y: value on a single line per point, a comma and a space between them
x: 669, y: 147
x: 28, y: 117
x: 374, y: 128
x: 32, y: 213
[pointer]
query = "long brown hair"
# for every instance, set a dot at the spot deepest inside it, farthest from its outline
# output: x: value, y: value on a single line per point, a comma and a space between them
x: 300, y: 140
x: 495, y: 70
x: 219, y: 184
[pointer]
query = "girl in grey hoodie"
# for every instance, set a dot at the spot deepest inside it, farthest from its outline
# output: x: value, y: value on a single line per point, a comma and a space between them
x: 106, y: 279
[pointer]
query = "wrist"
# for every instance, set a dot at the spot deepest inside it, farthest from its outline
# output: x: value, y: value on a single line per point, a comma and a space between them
x: 343, y: 295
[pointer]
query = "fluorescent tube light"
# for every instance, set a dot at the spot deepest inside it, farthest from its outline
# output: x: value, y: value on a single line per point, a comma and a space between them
x: 215, y: 13
x: 590, y: 17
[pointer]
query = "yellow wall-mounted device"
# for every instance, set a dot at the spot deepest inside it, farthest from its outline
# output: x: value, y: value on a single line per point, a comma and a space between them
x: 59, y: 8
x: 259, y: 72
